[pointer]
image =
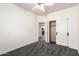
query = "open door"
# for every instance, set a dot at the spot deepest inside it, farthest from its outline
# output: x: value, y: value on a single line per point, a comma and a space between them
x: 52, y: 31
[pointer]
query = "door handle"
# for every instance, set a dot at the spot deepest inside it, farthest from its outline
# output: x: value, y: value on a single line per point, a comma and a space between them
x: 67, y: 33
x: 56, y: 33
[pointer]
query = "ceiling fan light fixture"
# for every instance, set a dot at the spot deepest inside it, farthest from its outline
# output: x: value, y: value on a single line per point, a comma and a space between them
x: 39, y: 7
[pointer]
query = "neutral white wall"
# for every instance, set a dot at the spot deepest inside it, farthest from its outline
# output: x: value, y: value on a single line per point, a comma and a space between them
x: 42, y: 18
x: 78, y: 25
x: 18, y: 27
x: 71, y: 14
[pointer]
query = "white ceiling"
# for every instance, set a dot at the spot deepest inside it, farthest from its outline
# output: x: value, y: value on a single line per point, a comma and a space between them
x: 48, y: 9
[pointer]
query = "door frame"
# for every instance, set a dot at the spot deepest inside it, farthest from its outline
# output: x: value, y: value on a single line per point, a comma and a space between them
x: 50, y: 31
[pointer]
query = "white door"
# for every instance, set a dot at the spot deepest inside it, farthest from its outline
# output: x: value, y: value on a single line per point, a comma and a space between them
x: 61, y: 29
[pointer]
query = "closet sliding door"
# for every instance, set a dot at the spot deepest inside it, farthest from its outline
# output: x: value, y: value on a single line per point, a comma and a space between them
x: 61, y: 30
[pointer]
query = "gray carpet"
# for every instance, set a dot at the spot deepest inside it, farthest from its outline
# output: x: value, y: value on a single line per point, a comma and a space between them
x: 41, y: 48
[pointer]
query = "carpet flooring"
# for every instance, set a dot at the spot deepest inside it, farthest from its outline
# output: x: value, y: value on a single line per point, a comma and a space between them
x: 41, y: 48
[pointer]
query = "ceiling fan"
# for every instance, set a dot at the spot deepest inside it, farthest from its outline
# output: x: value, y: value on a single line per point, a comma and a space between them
x: 41, y: 6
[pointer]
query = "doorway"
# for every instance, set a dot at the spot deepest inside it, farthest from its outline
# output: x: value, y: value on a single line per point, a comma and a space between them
x: 52, y: 31
x: 41, y: 31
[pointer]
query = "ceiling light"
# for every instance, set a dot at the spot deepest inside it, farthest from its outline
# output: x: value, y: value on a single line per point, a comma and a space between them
x: 41, y: 6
